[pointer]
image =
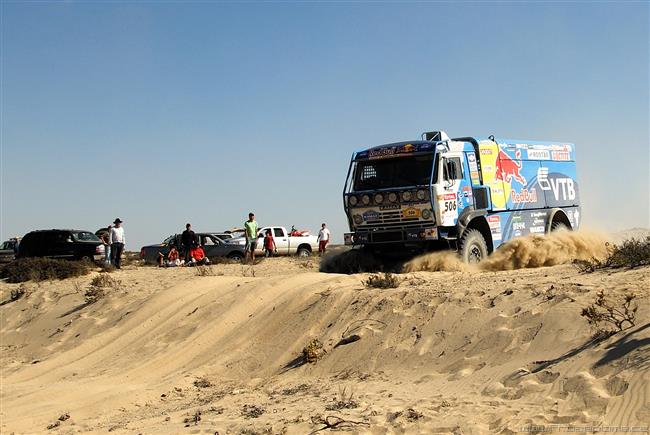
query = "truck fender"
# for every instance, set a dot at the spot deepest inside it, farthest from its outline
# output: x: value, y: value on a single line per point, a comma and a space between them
x: 557, y: 215
x: 471, y: 218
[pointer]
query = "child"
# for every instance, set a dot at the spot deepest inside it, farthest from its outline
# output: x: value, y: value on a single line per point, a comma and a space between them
x: 269, y: 244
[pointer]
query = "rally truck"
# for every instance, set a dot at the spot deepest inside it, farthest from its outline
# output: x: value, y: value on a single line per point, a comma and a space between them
x: 467, y: 194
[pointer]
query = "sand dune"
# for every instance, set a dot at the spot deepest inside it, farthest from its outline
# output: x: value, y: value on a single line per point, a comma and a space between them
x: 469, y: 351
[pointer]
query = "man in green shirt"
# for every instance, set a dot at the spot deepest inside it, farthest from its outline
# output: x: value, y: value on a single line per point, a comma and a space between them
x: 250, y: 230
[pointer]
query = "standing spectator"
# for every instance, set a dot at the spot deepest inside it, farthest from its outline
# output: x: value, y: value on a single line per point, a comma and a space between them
x: 117, y: 241
x: 269, y: 244
x: 188, y: 241
x: 323, y: 239
x: 106, y: 240
x: 250, y: 230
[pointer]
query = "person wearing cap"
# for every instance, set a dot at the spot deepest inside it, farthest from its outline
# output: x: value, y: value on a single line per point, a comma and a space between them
x: 117, y: 241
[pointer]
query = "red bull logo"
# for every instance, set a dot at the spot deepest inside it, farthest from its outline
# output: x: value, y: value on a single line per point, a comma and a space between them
x: 507, y: 168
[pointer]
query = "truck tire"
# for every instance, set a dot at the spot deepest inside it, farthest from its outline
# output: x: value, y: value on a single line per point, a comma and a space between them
x: 236, y: 256
x: 557, y: 226
x: 303, y: 252
x: 473, y: 247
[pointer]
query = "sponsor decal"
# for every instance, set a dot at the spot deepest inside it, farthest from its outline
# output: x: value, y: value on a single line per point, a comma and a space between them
x: 538, y: 155
x: 494, y: 222
x: 448, y: 196
x: 561, y: 155
x: 524, y: 196
x: 517, y: 233
x: 486, y: 152
x: 389, y: 207
x: 408, y: 148
x: 474, y: 176
x: 519, y: 225
x: 562, y: 186
x: 411, y: 213
x: 467, y: 192
x: 431, y: 233
x: 381, y: 152
x: 537, y: 229
x: 371, y: 215
x: 508, y: 168
x: 471, y: 158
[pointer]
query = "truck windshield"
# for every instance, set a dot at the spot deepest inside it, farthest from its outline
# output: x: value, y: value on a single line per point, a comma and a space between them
x: 395, y: 172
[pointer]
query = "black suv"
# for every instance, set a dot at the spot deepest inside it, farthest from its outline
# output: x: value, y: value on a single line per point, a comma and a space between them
x: 64, y: 244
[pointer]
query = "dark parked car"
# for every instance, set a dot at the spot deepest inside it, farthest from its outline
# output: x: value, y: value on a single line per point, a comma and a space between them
x: 64, y: 244
x: 213, y: 244
x: 8, y: 250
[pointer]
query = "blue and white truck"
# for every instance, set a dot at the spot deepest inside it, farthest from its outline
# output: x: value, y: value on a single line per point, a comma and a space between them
x: 468, y: 194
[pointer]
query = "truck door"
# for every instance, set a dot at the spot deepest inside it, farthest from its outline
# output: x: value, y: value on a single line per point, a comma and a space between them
x: 447, y: 188
x: 281, y: 240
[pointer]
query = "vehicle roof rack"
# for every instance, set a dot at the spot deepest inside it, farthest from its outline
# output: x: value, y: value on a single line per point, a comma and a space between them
x: 435, y: 136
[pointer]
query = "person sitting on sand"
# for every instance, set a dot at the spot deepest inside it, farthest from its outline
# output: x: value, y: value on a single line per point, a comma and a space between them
x: 172, y: 258
x: 198, y: 257
x: 269, y: 244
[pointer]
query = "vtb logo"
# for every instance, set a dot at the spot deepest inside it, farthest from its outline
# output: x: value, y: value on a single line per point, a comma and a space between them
x: 564, y: 186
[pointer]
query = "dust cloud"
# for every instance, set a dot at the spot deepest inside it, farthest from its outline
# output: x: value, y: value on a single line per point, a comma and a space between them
x: 523, y: 252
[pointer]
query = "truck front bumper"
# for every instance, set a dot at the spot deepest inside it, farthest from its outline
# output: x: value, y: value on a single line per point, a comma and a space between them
x: 412, y: 235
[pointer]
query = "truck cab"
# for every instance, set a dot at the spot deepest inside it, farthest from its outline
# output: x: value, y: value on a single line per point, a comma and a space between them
x: 464, y: 193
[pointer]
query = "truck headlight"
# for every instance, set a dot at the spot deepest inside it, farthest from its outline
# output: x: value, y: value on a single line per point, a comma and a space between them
x: 421, y: 194
x: 406, y: 196
x: 365, y: 199
x: 379, y: 198
x: 357, y: 219
x: 426, y: 214
x: 392, y: 197
x: 353, y: 200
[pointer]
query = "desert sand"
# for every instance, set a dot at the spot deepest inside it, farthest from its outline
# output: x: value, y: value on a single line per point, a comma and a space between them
x: 462, y: 350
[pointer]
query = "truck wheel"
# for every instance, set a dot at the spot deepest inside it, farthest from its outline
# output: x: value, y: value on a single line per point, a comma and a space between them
x: 303, y: 252
x: 557, y: 226
x: 87, y: 259
x: 237, y: 256
x: 473, y: 247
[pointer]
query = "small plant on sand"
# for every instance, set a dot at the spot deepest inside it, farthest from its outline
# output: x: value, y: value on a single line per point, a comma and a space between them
x: 605, y: 311
x: 202, y: 383
x: 252, y: 411
x: 313, y: 351
x: 17, y: 293
x: 98, y: 286
x: 630, y: 253
x: 344, y: 400
x: 204, y: 271
x: 385, y: 280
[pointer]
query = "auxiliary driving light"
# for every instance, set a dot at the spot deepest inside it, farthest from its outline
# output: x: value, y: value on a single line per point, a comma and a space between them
x: 379, y: 198
x: 406, y: 196
x: 353, y: 200
x: 357, y: 219
x: 392, y: 197
x: 421, y: 195
x: 365, y: 199
x: 426, y: 214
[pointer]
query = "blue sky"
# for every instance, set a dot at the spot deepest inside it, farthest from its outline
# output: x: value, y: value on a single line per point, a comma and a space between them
x: 167, y: 113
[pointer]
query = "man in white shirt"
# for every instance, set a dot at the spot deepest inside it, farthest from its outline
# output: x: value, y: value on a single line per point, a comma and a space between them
x: 117, y: 241
x: 323, y: 239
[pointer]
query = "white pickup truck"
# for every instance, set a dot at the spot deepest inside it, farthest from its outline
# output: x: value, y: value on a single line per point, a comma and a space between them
x: 301, y: 246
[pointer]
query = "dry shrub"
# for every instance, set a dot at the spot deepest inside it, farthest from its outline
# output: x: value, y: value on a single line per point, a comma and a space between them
x: 202, y: 383
x: 98, y: 286
x: 204, y: 271
x: 387, y: 280
x: 630, y: 253
x: 313, y: 351
x: 344, y: 400
x: 252, y: 411
x: 608, y: 311
x: 41, y: 269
